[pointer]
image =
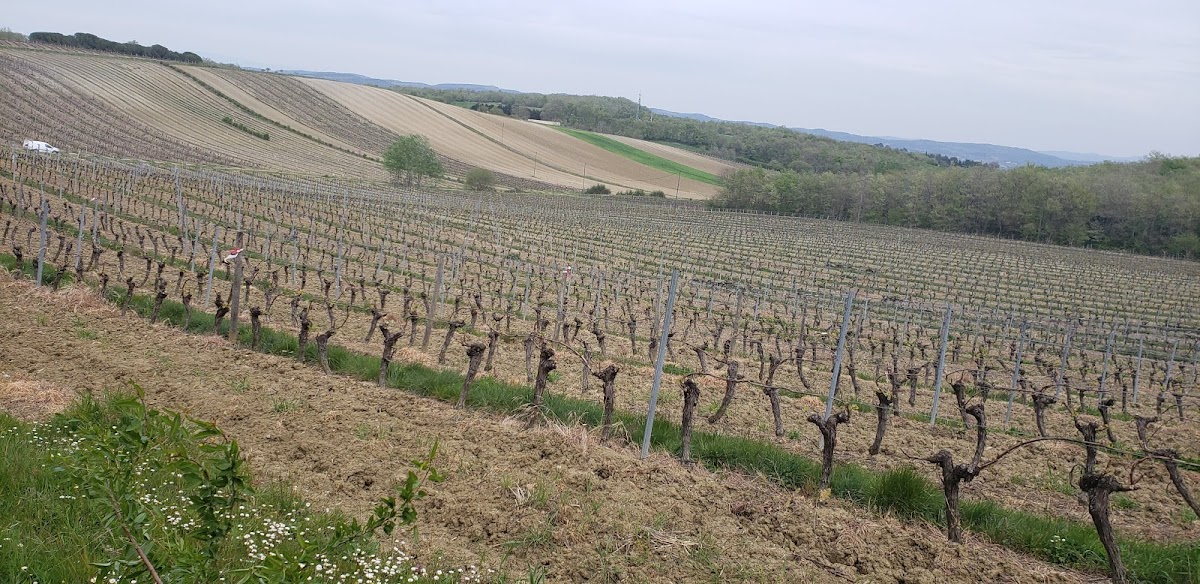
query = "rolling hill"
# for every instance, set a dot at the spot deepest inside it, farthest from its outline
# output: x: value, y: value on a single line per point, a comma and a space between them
x: 268, y: 122
x: 1005, y: 156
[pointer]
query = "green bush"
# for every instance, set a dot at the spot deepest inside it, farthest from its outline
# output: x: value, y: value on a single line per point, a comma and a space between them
x: 597, y: 189
x: 642, y: 193
x: 243, y: 127
x: 480, y: 179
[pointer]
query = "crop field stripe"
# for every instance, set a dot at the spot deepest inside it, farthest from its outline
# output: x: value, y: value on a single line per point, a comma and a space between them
x: 1147, y: 561
x: 641, y: 156
x: 501, y: 144
x: 254, y: 114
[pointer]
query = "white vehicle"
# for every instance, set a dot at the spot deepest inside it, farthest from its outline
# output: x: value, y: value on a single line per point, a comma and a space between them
x: 38, y: 146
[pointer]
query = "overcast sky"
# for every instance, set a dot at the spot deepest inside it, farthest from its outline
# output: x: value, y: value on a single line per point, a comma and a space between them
x: 1110, y: 76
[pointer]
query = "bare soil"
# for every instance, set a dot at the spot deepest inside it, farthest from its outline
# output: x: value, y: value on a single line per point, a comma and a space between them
x: 515, y: 498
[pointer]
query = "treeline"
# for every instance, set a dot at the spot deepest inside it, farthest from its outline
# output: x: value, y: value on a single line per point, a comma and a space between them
x: 7, y: 34
x: 769, y: 147
x: 1150, y: 207
x: 90, y: 41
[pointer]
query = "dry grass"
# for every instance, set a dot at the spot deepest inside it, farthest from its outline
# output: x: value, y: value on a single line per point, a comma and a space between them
x: 32, y: 400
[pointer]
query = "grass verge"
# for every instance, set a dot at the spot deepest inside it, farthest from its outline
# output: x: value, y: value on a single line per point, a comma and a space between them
x: 641, y: 156
x: 85, y: 496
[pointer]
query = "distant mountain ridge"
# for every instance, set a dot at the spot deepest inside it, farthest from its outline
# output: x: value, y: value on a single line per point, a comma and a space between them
x: 1005, y: 156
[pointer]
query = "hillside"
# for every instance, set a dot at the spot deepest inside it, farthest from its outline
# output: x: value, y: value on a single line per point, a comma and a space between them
x: 1004, y: 156
x: 266, y: 122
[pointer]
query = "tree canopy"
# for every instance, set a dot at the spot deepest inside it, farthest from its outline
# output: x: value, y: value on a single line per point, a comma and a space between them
x: 411, y: 158
x: 1146, y: 207
x: 90, y: 41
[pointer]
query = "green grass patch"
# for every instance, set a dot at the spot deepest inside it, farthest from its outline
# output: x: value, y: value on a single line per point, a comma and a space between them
x: 82, y: 495
x: 641, y: 156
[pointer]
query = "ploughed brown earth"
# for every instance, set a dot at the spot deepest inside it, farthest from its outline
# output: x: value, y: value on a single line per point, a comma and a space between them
x: 514, y: 498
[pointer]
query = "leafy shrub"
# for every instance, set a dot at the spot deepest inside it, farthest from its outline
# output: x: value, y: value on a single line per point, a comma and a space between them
x: 479, y: 179
x: 243, y: 127
x: 597, y: 189
x: 642, y: 193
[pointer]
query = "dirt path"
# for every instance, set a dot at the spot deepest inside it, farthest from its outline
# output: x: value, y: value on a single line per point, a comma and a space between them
x: 514, y: 498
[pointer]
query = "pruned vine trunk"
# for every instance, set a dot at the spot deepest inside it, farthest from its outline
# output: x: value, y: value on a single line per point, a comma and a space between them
x: 828, y: 428
x: 389, y: 348
x: 129, y: 286
x: 882, y: 412
x: 493, y: 340
x: 608, y: 377
x: 302, y: 338
x: 731, y: 381
x: 1099, y: 486
x: 1041, y: 401
x: 452, y: 327
x: 222, y: 310
x: 159, y: 297
x: 1106, y: 415
x: 187, y: 310
x: 255, y: 327
x: 528, y: 344
x: 954, y: 475
x: 546, y: 364
x: 691, y: 396
x: 474, y: 357
x: 376, y: 314
x: 775, y: 360
x: 960, y: 398
x: 323, y: 350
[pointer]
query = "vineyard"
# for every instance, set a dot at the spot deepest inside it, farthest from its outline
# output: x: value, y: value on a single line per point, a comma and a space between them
x: 853, y: 351
x: 141, y: 109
